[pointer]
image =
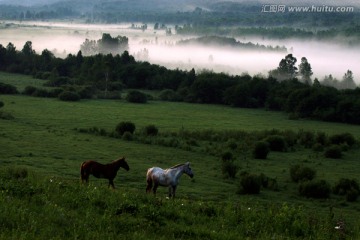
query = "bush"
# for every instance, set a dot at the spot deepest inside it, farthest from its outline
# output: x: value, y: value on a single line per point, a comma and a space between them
x: 123, y: 127
x: 261, y: 150
x: 169, y: 95
x: 40, y: 93
x: 348, y: 187
x: 306, y: 138
x: 229, y: 169
x: 69, y: 96
x: 1, y: 104
x: 127, y: 136
x: 29, y: 90
x: 333, y: 151
x: 250, y: 184
x: 135, y: 96
x: 232, y: 144
x: 315, y: 189
x: 227, y: 156
x: 268, y: 183
x: 151, y: 130
x: 276, y: 143
x: 300, y: 173
x: 318, y: 147
x: 352, y: 195
x: 7, y: 89
x: 321, y: 138
x: 339, y: 139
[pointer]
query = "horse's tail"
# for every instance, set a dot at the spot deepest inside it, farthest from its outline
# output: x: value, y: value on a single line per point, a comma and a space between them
x: 149, y: 181
x: 82, y: 172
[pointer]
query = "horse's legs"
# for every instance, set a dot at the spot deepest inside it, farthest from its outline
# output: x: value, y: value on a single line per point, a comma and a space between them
x: 111, y: 182
x: 155, y: 187
x: 149, y: 185
x: 84, y: 177
x: 172, y: 189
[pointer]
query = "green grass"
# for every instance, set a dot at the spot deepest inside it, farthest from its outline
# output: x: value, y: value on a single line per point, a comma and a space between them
x: 21, y: 81
x: 34, y: 206
x: 42, y: 139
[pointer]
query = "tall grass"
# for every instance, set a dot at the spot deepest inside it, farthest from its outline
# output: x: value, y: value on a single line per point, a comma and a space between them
x: 44, y: 207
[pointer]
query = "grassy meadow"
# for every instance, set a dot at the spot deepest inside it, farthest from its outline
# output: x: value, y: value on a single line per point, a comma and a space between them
x: 41, y: 197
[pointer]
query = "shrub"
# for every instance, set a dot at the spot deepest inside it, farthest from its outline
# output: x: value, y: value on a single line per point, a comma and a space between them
x: 229, y: 169
x: 339, y: 139
x: 290, y: 137
x: 1, y: 104
x: 127, y: 136
x: 321, y: 138
x: 169, y: 95
x: 250, y: 184
x: 276, y: 143
x: 348, y: 187
x: 352, y: 195
x: 69, y: 96
x: 6, y: 116
x: 29, y: 90
x: 268, y: 183
x: 86, y: 92
x: 7, y: 89
x: 315, y: 189
x: 151, y: 130
x: 135, y: 96
x: 40, y: 93
x: 306, y: 138
x: 123, y: 127
x: 318, y: 147
x: 261, y: 150
x: 333, y: 151
x: 232, y: 144
x: 54, y: 93
x: 227, y: 156
x: 300, y: 173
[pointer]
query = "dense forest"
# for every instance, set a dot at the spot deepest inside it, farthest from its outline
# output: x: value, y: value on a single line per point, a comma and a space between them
x: 203, y: 17
x: 285, y: 89
x: 229, y: 42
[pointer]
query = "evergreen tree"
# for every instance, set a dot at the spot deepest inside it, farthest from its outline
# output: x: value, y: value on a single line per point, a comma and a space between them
x: 287, y: 68
x: 305, y: 70
x: 348, y: 81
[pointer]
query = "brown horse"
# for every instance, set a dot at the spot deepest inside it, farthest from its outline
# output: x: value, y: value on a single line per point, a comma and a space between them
x: 99, y: 170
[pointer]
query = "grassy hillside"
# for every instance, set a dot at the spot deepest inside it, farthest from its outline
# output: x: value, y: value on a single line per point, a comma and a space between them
x: 42, y: 140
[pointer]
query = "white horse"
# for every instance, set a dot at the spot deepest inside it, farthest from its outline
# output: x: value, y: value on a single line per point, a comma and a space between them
x: 167, y: 178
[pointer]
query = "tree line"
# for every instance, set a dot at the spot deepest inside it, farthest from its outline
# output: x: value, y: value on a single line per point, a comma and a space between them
x: 287, y: 90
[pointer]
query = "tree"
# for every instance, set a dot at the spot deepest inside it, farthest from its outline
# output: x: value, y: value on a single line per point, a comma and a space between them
x: 108, y: 44
x: 89, y: 47
x: 27, y: 49
x: 156, y: 26
x: 305, y: 70
x: 348, y: 81
x: 287, y: 68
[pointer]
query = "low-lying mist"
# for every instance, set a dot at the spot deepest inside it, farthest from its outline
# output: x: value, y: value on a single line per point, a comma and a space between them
x: 156, y: 47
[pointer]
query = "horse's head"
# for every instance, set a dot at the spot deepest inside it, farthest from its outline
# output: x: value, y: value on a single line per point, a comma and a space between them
x: 188, y: 170
x: 123, y: 164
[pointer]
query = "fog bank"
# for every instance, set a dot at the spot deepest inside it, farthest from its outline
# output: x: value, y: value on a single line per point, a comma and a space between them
x: 64, y: 38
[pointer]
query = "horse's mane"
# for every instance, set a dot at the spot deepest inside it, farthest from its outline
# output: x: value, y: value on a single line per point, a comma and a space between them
x: 176, y: 166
